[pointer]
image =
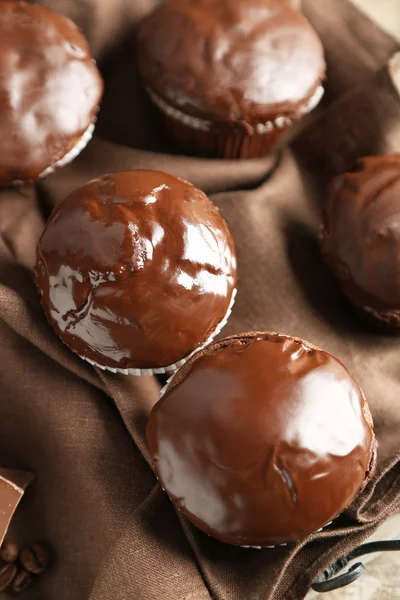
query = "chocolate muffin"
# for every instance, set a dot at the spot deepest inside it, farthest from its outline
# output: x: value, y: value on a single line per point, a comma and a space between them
x: 50, y: 89
x: 262, y: 439
x: 230, y: 76
x: 136, y: 270
x: 361, y: 237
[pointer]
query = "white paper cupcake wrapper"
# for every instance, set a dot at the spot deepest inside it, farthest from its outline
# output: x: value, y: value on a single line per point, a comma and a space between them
x: 287, y: 543
x: 205, y: 125
x: 315, y: 99
x: 73, y: 153
x: 175, y: 366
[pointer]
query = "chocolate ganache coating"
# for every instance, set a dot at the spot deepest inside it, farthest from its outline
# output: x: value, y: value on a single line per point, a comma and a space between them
x: 136, y: 269
x: 262, y: 439
x: 361, y: 236
x: 231, y: 60
x: 50, y: 89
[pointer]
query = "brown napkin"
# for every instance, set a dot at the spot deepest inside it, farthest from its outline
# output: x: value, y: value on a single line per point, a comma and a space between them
x: 95, y: 499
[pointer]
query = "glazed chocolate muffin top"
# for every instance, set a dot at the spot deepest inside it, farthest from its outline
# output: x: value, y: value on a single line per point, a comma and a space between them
x: 361, y: 237
x: 50, y: 89
x: 136, y: 270
x: 262, y: 439
x: 235, y: 60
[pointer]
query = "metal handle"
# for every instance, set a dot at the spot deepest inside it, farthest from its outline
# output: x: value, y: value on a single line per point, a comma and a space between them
x: 329, y: 580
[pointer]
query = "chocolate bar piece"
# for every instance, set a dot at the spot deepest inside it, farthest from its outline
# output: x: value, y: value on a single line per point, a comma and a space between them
x: 12, y: 487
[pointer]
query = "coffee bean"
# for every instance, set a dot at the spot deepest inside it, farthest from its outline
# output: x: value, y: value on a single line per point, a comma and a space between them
x: 9, y: 551
x: 42, y: 555
x: 7, y: 574
x: 21, y: 582
x: 36, y: 559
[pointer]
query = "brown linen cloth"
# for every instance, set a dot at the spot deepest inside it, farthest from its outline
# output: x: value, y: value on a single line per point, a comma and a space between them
x: 95, y: 500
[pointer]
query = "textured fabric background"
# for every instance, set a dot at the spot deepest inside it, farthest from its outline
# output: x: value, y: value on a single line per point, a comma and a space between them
x: 95, y: 499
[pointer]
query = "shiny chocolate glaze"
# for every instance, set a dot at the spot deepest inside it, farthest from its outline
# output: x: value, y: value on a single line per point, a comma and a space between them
x: 234, y: 60
x: 361, y: 237
x: 262, y: 439
x: 136, y: 269
x: 50, y: 89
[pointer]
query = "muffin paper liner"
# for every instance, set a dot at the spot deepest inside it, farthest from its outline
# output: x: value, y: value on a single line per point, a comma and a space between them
x: 73, y: 153
x: 287, y: 543
x: 175, y: 366
x: 227, y: 140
